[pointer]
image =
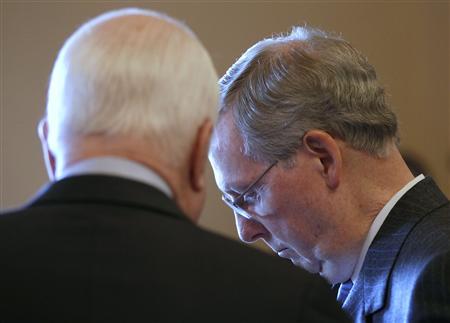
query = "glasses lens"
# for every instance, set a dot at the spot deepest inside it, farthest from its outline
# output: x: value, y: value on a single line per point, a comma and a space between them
x: 235, y: 208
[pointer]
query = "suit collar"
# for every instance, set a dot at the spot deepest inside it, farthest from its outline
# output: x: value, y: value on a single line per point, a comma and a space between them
x: 109, y: 190
x: 371, y: 286
x: 119, y: 167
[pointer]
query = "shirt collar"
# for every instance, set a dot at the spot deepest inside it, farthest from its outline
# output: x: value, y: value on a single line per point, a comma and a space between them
x: 116, y: 166
x: 378, y: 222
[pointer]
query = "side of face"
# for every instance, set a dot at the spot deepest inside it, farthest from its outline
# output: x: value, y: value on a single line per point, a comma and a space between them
x: 296, y: 212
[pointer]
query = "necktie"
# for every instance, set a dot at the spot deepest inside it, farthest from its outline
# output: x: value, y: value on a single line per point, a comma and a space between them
x: 344, y: 290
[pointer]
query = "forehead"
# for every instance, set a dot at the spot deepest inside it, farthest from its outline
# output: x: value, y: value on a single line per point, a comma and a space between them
x: 232, y: 169
x: 226, y: 135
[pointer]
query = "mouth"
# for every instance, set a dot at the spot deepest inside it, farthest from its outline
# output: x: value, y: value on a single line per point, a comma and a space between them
x: 314, y: 267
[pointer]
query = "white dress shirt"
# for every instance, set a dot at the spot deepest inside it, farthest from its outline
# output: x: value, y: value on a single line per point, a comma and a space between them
x: 378, y: 222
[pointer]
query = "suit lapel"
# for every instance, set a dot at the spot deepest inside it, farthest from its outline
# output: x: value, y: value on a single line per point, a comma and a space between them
x: 108, y: 190
x: 354, y: 303
x: 369, y: 291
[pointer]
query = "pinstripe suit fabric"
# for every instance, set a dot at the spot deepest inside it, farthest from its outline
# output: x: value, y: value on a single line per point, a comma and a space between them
x: 406, y: 273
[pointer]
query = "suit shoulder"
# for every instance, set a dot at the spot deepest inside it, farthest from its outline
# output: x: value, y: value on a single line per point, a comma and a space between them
x: 430, y: 236
x: 431, y: 293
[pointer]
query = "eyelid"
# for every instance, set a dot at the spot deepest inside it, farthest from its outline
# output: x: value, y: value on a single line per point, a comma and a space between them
x: 251, y: 193
x: 255, y: 192
x: 235, y: 193
x: 249, y: 199
x: 257, y: 188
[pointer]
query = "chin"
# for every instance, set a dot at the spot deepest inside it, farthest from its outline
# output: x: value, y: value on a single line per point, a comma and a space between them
x: 313, y: 268
x: 332, y: 275
x: 328, y: 278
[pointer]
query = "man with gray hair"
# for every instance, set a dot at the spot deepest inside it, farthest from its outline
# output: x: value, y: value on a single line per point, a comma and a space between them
x: 305, y: 153
x: 131, y: 105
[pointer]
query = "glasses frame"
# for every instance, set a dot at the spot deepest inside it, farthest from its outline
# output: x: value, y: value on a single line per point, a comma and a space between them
x: 236, y: 204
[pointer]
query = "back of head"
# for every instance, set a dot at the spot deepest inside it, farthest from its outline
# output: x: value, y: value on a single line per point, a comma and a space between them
x: 286, y: 85
x: 135, y: 73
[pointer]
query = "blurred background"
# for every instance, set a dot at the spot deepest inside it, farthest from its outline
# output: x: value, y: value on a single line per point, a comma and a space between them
x: 407, y: 42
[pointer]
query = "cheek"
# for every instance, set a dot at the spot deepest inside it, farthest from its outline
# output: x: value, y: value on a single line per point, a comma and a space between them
x: 297, y: 221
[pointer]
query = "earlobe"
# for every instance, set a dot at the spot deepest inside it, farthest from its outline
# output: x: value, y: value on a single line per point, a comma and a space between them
x: 199, y: 156
x: 324, y: 147
x: 49, y: 158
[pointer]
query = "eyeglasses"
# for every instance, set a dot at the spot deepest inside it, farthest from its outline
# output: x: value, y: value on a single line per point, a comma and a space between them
x: 237, y: 203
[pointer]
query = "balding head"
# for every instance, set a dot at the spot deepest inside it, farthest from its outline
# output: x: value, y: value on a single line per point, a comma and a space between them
x: 132, y: 72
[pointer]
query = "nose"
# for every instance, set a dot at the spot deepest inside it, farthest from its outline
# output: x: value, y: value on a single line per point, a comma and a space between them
x: 250, y: 230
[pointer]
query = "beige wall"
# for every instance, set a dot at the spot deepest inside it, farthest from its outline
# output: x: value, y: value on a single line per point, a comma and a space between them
x: 407, y: 42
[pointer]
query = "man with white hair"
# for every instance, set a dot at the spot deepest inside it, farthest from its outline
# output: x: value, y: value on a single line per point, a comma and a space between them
x: 131, y: 106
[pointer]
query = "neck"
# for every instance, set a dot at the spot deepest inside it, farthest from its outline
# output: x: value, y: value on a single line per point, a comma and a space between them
x: 137, y: 150
x: 376, y: 179
x: 369, y: 182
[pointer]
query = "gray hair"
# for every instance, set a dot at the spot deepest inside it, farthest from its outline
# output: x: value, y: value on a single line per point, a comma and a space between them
x: 285, y: 85
x: 132, y: 72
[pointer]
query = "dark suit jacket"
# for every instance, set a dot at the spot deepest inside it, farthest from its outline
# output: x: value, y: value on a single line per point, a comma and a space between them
x: 406, y: 273
x: 107, y: 249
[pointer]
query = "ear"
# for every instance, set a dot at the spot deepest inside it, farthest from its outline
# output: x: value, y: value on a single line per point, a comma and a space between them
x: 199, y: 156
x: 49, y: 157
x: 323, y: 146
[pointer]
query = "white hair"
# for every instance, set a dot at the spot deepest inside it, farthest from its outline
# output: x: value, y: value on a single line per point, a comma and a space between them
x: 132, y: 72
